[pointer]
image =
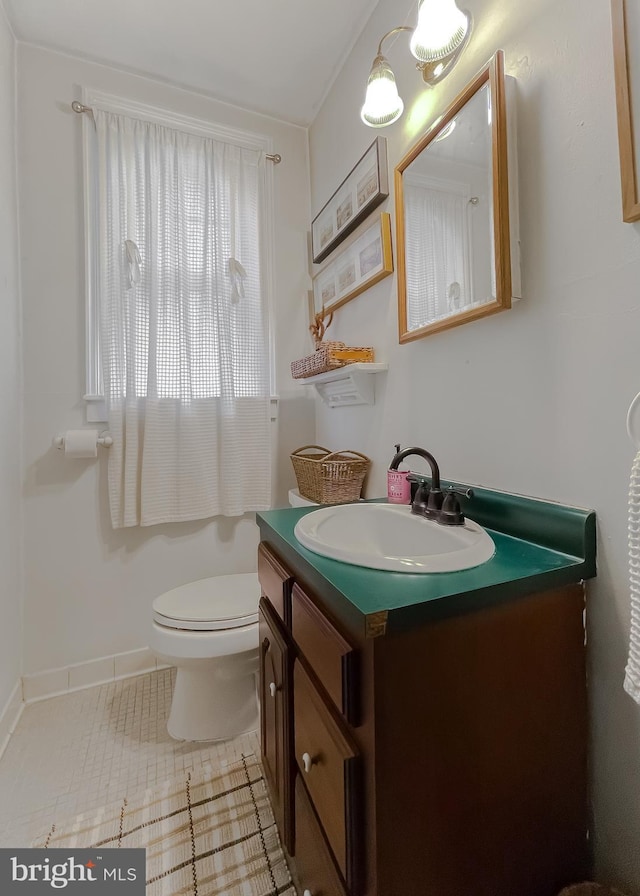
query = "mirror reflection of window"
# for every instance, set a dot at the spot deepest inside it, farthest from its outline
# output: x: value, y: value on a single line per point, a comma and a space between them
x: 438, y: 247
x: 448, y: 219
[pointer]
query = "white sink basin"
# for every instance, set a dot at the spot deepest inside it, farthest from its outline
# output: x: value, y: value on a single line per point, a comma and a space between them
x: 390, y: 537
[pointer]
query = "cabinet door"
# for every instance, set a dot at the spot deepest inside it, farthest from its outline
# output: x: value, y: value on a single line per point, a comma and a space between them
x: 329, y: 767
x: 275, y: 719
x: 316, y: 871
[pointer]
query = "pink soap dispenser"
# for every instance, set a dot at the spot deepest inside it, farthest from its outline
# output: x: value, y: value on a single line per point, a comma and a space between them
x: 398, y: 486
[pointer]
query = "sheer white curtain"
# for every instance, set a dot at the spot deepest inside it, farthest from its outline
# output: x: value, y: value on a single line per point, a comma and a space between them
x: 184, y: 323
x: 437, y: 248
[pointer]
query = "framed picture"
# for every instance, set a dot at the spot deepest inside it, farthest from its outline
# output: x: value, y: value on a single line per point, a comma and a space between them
x: 360, y: 192
x: 364, y: 261
x: 625, y: 19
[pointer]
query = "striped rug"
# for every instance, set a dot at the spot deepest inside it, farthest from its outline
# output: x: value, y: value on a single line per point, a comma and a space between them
x: 207, y: 832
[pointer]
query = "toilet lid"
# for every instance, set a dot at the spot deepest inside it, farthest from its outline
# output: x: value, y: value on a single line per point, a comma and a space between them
x: 220, y: 602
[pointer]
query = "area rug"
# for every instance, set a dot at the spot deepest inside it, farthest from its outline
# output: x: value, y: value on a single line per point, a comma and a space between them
x: 205, y: 833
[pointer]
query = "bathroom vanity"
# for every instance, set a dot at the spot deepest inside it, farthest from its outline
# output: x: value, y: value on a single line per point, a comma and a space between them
x: 426, y: 735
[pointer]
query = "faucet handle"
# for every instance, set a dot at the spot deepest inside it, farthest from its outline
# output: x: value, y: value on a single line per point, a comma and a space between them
x: 451, y: 513
x: 420, y: 500
x: 458, y: 490
x: 420, y: 486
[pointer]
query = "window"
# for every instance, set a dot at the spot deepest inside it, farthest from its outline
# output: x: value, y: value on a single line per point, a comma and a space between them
x: 178, y: 337
x: 190, y: 258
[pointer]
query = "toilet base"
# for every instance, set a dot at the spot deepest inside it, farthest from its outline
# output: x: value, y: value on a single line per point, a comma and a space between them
x: 213, y: 701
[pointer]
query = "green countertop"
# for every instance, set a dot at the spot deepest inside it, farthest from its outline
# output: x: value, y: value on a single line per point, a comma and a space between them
x: 540, y: 545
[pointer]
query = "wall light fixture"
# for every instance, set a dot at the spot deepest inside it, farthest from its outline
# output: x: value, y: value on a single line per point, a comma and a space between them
x: 436, y: 42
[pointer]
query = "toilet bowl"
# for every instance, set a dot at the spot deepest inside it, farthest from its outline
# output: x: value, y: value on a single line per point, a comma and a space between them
x: 208, y: 629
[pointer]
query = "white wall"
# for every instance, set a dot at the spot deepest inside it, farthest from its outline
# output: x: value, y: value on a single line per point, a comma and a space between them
x: 532, y: 400
x: 10, y: 385
x: 88, y: 589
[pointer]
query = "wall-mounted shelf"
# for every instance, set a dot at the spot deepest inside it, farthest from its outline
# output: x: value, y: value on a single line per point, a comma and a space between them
x: 348, y: 385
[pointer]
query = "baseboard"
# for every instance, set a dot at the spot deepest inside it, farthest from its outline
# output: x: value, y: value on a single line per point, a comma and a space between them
x: 10, y: 715
x: 54, y: 682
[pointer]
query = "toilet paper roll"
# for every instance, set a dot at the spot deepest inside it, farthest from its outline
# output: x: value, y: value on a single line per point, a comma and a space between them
x: 81, y: 443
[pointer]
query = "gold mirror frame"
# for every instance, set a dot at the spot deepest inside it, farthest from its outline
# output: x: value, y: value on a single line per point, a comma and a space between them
x: 493, y: 75
x: 623, y: 57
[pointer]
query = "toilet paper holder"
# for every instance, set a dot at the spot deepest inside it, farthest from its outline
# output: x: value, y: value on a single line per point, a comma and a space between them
x: 105, y: 439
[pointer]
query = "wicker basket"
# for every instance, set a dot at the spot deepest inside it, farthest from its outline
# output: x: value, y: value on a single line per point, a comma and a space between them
x: 329, y: 477
x: 329, y: 356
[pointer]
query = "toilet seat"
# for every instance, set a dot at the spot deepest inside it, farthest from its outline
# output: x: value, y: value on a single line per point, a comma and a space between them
x: 213, y: 604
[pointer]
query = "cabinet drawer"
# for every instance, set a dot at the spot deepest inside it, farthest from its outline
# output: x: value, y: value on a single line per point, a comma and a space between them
x: 275, y: 582
x: 328, y: 653
x: 317, y: 874
x: 329, y: 767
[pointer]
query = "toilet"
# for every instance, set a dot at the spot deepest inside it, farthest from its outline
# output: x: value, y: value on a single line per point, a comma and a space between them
x: 297, y: 500
x: 208, y: 629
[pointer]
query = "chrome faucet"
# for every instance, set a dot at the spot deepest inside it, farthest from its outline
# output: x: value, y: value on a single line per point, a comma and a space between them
x: 429, y: 500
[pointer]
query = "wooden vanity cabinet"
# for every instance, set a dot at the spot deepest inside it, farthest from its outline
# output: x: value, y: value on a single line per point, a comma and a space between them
x: 449, y: 758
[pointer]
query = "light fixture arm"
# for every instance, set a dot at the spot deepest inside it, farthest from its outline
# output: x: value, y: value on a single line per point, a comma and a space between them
x: 432, y: 72
x: 436, y: 42
x: 389, y: 33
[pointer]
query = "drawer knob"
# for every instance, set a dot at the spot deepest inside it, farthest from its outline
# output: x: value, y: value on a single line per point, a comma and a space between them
x: 273, y: 687
x: 307, y: 762
x: 307, y: 893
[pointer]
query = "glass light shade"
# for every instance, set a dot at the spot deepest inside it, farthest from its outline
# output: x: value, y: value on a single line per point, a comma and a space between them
x: 446, y: 131
x: 382, y: 103
x: 441, y: 28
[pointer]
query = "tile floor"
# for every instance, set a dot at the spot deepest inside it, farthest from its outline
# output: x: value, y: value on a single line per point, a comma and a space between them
x: 83, y: 750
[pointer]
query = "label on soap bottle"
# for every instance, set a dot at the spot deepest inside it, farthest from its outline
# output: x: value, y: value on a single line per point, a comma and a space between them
x: 398, y: 487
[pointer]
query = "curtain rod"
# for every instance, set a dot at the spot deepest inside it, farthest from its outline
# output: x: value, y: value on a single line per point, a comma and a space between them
x: 78, y: 107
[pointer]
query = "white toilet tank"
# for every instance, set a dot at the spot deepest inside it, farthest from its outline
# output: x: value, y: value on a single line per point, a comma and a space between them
x: 296, y: 499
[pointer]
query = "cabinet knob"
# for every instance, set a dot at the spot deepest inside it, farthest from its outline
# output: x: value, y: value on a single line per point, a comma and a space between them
x: 307, y: 762
x: 307, y: 893
x: 273, y: 688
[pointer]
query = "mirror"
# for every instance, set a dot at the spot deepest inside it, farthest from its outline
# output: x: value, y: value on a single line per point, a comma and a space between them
x: 452, y: 213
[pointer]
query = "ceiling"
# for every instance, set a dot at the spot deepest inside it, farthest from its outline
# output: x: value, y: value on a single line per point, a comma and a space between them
x: 278, y: 57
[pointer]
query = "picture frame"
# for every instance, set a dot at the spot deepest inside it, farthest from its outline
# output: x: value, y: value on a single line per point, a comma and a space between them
x: 625, y: 21
x: 365, y: 187
x: 365, y: 260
